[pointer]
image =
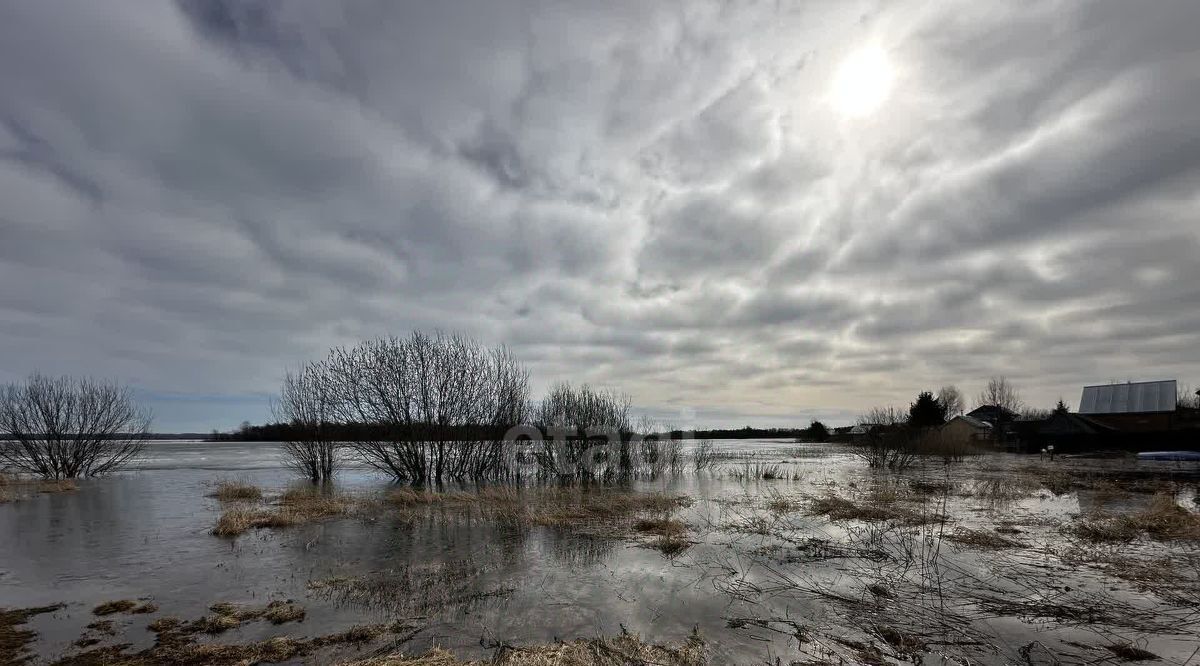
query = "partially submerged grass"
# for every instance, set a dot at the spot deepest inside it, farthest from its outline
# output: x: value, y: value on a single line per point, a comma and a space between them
x: 1001, y: 490
x: 624, y: 650
x: 1163, y: 519
x: 1130, y: 652
x: 14, y: 640
x: 16, y: 488
x: 176, y: 643
x: 236, y: 491
x: 982, y: 539
x: 669, y: 534
x: 118, y: 606
x: 228, y: 616
x: 839, y: 508
x: 411, y: 589
x: 579, y: 509
x: 295, y: 507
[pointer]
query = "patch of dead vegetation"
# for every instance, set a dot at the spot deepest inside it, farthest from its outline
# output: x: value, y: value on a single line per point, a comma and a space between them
x: 14, y: 640
x: 295, y: 507
x: 176, y: 644
x: 117, y: 606
x: 16, y: 488
x: 779, y: 503
x: 982, y: 539
x: 623, y: 650
x: 1130, y: 652
x: 411, y: 589
x: 669, y: 534
x: 1163, y: 519
x: 236, y: 491
x: 1001, y: 490
x: 228, y: 616
x: 1174, y: 578
x: 125, y: 606
x: 839, y: 508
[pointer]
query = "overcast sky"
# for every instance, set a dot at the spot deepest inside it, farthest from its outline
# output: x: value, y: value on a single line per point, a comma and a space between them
x: 755, y: 212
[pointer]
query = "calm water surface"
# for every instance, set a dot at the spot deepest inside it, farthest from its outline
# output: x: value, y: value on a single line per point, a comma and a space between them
x: 146, y: 534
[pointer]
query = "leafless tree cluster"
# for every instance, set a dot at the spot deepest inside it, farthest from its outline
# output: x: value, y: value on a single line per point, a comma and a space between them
x: 1186, y: 398
x: 425, y: 408
x: 1001, y: 393
x: 64, y: 428
x: 952, y: 399
x: 894, y: 449
x: 883, y: 416
x: 586, y: 427
x: 308, y: 401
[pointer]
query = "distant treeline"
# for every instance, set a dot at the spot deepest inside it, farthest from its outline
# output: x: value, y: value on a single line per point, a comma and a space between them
x: 283, y: 432
x: 744, y: 433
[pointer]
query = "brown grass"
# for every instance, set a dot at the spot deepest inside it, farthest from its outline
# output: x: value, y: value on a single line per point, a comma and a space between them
x: 670, y: 535
x: 228, y: 615
x: 16, y: 488
x: 176, y: 644
x: 295, y: 507
x: 118, y: 606
x: 1163, y: 519
x: 236, y: 491
x: 620, y: 651
x: 14, y: 641
x: 410, y: 589
x: 982, y: 539
x: 840, y: 508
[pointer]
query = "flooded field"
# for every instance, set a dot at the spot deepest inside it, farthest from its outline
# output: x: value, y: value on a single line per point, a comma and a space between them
x: 773, y: 553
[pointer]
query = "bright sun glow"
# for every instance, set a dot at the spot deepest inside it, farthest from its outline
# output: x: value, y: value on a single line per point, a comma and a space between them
x: 862, y: 82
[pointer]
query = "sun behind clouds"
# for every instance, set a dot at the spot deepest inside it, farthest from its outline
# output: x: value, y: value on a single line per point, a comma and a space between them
x: 862, y: 82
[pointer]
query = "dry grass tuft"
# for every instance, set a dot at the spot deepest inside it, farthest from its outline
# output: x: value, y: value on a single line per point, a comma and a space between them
x: 780, y: 503
x: 1163, y: 520
x: 659, y: 526
x: 295, y: 507
x: 14, y: 641
x: 111, y: 607
x: 620, y: 651
x: 16, y: 488
x: 176, y: 642
x: 280, y: 612
x: 163, y: 624
x: 669, y: 534
x: 982, y: 539
x: 840, y: 508
x: 236, y: 491
x: 1130, y: 652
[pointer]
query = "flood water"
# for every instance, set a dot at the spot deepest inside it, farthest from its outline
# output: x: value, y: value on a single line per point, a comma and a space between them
x: 757, y: 584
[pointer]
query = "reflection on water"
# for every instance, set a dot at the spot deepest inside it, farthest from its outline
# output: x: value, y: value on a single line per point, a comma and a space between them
x: 145, y: 534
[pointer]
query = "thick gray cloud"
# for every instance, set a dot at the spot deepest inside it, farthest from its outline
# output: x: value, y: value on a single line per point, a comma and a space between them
x: 660, y: 197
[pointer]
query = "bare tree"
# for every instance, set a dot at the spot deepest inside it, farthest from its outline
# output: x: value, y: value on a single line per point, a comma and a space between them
x: 952, y: 399
x: 308, y: 403
x: 63, y: 428
x: 436, y: 406
x: 572, y: 417
x: 1000, y: 393
x: 882, y: 416
x: 1186, y: 398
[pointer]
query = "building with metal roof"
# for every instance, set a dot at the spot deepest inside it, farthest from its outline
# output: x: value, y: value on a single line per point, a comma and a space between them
x: 1129, y: 398
x: 1132, y: 406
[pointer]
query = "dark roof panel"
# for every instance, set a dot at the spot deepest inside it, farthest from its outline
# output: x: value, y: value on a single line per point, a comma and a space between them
x: 1130, y: 398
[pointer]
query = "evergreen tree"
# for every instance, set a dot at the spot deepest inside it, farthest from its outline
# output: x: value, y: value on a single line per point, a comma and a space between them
x: 926, y: 412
